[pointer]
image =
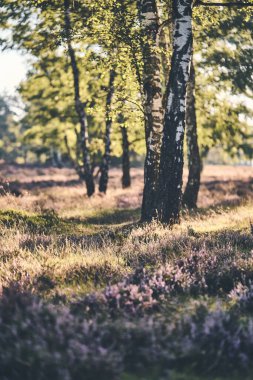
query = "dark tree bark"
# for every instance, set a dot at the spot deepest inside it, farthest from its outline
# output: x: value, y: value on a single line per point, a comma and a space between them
x: 190, y: 196
x: 169, y: 195
x: 126, y: 179
x: 74, y: 162
x: 165, y: 37
x: 56, y: 157
x: 103, y: 182
x: 153, y: 105
x: 79, y: 105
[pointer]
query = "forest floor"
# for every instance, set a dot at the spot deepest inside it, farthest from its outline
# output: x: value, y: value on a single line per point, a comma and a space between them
x: 88, y: 293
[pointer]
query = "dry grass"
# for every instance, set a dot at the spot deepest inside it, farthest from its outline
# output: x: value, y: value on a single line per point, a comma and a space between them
x: 91, y: 242
x: 61, y: 246
x: 59, y: 189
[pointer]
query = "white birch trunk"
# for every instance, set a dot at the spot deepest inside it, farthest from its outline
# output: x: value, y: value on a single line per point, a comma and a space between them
x: 171, y: 165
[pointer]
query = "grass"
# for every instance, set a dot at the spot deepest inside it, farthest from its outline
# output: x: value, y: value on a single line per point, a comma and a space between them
x: 133, y: 301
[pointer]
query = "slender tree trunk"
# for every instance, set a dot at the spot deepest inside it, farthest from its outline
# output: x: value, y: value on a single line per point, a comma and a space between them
x: 194, y: 162
x: 79, y: 106
x: 153, y: 106
x: 74, y: 162
x: 25, y: 155
x: 52, y: 156
x: 126, y: 179
x: 164, y: 45
x: 59, y: 158
x: 171, y: 164
x: 103, y: 182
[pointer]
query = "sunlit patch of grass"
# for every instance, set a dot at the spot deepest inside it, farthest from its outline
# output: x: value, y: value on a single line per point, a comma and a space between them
x: 218, y: 219
x: 55, y: 263
x: 56, y: 255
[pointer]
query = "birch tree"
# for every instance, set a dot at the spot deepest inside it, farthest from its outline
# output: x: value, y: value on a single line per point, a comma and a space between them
x: 79, y: 105
x: 153, y: 103
x: 168, y: 202
x: 169, y: 194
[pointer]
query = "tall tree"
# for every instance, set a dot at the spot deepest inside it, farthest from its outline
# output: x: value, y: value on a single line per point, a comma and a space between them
x: 103, y: 182
x: 194, y: 161
x: 153, y: 103
x: 10, y: 131
x: 172, y: 157
x: 79, y: 105
x: 126, y: 179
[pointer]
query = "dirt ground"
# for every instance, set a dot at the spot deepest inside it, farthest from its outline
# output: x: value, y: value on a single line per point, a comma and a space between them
x: 36, y: 189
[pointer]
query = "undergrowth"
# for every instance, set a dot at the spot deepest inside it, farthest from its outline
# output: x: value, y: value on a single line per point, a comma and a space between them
x: 128, y: 301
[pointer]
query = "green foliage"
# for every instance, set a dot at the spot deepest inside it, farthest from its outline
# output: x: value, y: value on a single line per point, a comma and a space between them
x: 44, y: 223
x: 224, y: 82
x: 108, y: 35
x: 48, y: 92
x: 10, y: 131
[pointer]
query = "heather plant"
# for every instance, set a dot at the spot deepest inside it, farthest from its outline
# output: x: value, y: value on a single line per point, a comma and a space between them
x: 127, y: 301
x: 45, y: 342
x: 242, y: 297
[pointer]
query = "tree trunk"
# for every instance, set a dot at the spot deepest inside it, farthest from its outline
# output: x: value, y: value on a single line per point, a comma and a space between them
x: 194, y: 162
x: 79, y: 106
x: 165, y: 60
x: 103, y: 182
x: 169, y: 194
x: 165, y: 34
x: 52, y: 156
x: 74, y: 162
x: 153, y: 107
x: 126, y: 179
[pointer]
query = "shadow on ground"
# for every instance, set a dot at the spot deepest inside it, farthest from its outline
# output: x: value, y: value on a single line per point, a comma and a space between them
x: 113, y: 216
x: 16, y: 187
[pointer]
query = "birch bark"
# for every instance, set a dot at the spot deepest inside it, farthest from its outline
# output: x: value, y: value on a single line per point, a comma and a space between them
x: 169, y: 195
x: 153, y: 107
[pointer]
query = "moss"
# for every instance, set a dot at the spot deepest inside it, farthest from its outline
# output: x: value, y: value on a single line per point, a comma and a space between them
x: 46, y: 223
x: 114, y: 216
x: 32, y: 222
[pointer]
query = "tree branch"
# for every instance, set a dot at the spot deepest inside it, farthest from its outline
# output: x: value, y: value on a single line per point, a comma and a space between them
x: 164, y: 23
x: 232, y: 4
x: 131, y: 101
x: 135, y: 140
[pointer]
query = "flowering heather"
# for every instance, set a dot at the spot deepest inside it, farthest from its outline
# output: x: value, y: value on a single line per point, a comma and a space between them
x: 52, y: 342
x: 85, y: 295
x: 147, y: 289
x: 45, y: 342
x: 242, y: 296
